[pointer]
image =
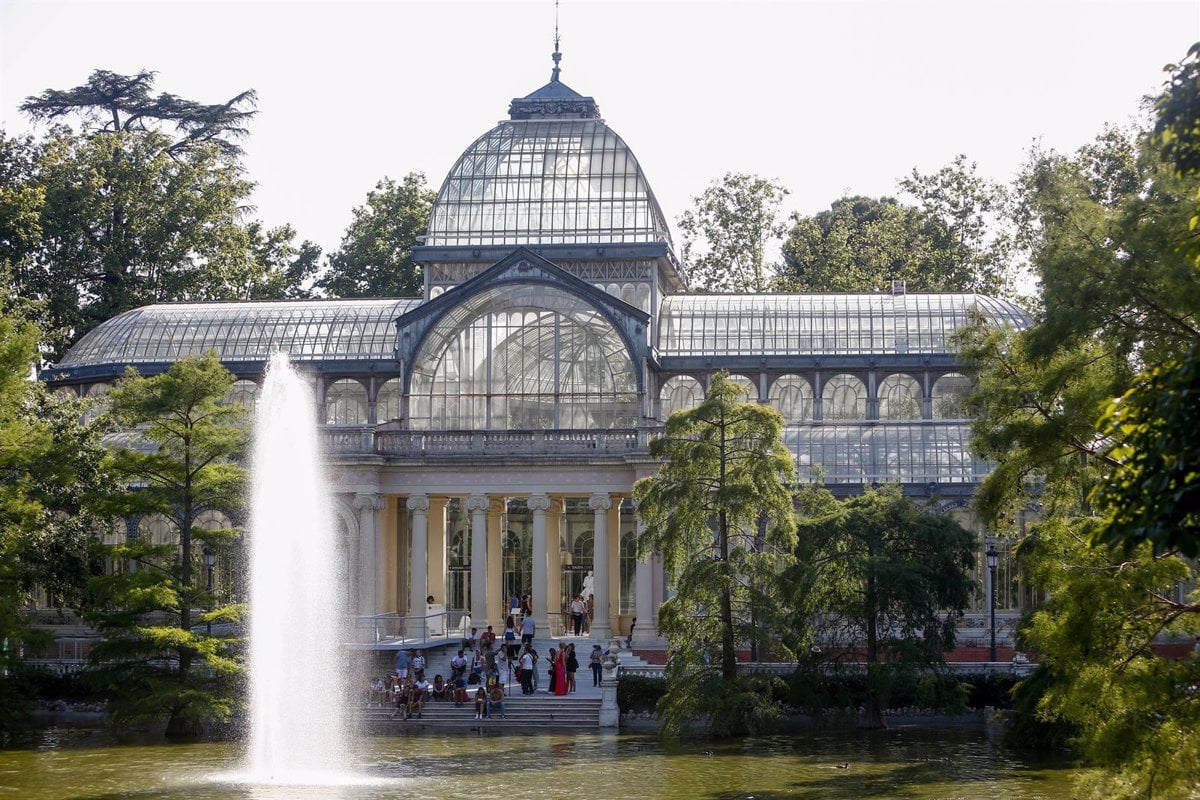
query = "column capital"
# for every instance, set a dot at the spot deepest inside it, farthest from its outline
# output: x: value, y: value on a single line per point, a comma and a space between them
x: 478, y: 502
x: 498, y: 506
x: 417, y: 502
x: 600, y: 501
x: 370, y: 501
x: 538, y: 502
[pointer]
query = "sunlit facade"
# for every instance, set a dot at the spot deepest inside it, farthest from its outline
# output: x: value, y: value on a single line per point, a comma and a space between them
x: 484, y: 438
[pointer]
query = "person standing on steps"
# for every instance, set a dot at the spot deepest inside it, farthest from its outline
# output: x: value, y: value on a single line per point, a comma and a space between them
x: 572, y: 667
x: 596, y: 661
x: 560, y: 670
x: 578, y: 609
x: 553, y: 657
x: 527, y: 631
x: 527, y: 671
x: 401, y: 664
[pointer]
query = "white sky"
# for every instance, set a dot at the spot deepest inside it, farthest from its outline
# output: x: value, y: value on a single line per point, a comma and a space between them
x: 827, y: 97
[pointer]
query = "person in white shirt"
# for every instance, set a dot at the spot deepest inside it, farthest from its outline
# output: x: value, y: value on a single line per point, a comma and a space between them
x: 527, y: 671
x: 578, y: 609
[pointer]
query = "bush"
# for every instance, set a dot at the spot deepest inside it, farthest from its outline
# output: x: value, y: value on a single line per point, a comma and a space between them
x: 639, y: 694
x: 816, y: 691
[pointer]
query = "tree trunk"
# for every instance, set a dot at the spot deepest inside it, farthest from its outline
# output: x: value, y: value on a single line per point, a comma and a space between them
x: 874, y: 715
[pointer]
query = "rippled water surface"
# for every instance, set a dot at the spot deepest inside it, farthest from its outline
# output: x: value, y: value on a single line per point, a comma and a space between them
x: 900, y: 763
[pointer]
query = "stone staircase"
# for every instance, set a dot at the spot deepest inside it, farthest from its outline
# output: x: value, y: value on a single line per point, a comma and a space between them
x: 526, y: 713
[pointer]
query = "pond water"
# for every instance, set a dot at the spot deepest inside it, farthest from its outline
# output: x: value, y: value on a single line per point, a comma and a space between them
x: 962, y: 764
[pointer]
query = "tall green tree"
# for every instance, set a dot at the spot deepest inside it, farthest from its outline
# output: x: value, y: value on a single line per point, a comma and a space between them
x: 862, y: 244
x: 889, y: 580
x: 1108, y: 230
x: 720, y: 514
x: 180, y: 461
x: 727, y: 231
x: 114, y: 103
x: 975, y: 248
x: 375, y: 256
x: 50, y: 472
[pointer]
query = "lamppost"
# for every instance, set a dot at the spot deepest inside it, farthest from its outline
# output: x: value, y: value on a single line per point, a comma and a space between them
x: 210, y: 561
x: 992, y: 555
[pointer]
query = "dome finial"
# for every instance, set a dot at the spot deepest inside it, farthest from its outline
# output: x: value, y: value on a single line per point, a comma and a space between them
x: 557, y: 56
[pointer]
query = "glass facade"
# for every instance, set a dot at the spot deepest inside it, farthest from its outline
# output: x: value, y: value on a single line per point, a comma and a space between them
x: 823, y: 324
x: 546, y: 181
x: 912, y: 452
x: 526, y: 357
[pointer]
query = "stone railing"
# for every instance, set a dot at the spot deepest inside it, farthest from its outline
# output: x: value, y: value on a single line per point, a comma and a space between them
x: 784, y: 669
x: 364, y: 439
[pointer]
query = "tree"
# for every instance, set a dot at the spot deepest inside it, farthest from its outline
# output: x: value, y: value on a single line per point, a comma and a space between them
x: 49, y: 473
x: 974, y: 250
x: 720, y: 514
x: 726, y: 233
x: 375, y: 257
x: 1108, y: 231
x: 890, y: 581
x: 117, y: 103
x: 180, y: 462
x: 862, y: 244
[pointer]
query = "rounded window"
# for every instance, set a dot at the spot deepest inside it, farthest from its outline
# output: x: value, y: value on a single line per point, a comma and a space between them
x: 387, y: 401
x: 844, y: 397
x: 346, y: 403
x: 950, y: 394
x: 680, y: 393
x: 792, y: 397
x: 899, y: 398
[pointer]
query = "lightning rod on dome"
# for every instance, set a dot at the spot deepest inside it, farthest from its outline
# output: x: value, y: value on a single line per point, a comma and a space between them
x: 557, y: 56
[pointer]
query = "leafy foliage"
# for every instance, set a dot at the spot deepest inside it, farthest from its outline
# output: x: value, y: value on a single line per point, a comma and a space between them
x: 181, y: 462
x: 726, y: 233
x: 720, y: 514
x: 881, y: 571
x: 375, y: 257
x: 1178, y: 107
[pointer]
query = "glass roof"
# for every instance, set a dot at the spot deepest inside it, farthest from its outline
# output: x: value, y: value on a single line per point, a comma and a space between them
x: 546, y: 181
x: 308, y: 330
x: 822, y: 324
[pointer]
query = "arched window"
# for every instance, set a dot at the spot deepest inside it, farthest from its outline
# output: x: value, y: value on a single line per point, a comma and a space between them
x: 523, y: 357
x: 899, y: 397
x: 346, y: 403
x: 680, y: 393
x: 97, y: 402
x: 751, y: 388
x: 792, y: 396
x: 243, y: 392
x: 950, y: 393
x: 387, y: 401
x: 844, y: 397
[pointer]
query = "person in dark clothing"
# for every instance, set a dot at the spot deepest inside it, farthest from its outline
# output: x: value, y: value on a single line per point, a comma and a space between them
x: 572, y: 665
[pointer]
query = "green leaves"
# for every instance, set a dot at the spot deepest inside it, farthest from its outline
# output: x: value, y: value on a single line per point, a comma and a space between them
x: 726, y: 233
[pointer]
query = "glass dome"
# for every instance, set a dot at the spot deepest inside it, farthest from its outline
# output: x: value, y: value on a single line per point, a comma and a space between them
x: 308, y: 330
x: 823, y: 324
x: 546, y: 181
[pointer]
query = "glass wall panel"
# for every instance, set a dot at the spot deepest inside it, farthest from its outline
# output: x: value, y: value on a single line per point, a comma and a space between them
x: 844, y: 397
x: 680, y: 393
x: 909, y: 452
x: 245, y: 393
x: 950, y: 393
x: 742, y: 382
x: 346, y: 403
x: 792, y: 396
x: 899, y: 397
x: 387, y: 400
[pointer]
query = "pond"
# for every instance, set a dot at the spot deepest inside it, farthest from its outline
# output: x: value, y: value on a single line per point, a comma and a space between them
x: 899, y: 763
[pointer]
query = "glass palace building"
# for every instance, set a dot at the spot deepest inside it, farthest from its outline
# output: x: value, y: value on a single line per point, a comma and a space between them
x: 483, y: 439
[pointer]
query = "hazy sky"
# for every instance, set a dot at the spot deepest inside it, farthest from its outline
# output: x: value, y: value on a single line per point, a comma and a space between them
x: 826, y: 97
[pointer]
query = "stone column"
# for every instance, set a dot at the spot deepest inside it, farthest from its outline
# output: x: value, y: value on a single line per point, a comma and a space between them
x: 554, y: 562
x: 539, y: 504
x: 614, y: 565
x: 644, y: 588
x: 477, y: 504
x: 437, y: 549
x: 369, y: 567
x: 418, y: 569
x: 495, y: 566
x: 600, y: 503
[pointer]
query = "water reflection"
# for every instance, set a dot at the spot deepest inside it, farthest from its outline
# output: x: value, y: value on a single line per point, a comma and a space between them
x: 894, y: 764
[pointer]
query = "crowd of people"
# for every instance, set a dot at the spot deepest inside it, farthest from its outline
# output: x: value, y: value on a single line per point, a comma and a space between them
x: 483, y: 666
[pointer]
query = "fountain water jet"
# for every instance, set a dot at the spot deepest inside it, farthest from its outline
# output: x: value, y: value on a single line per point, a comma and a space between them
x: 298, y: 691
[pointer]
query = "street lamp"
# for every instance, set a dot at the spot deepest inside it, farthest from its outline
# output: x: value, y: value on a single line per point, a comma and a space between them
x: 992, y: 555
x: 210, y: 561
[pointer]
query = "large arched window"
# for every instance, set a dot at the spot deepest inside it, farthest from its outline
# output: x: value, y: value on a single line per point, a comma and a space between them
x: 523, y: 357
x: 244, y: 392
x: 844, y: 397
x: 792, y: 397
x: 387, y: 401
x: 680, y: 393
x: 899, y: 397
x: 950, y: 394
x: 346, y: 403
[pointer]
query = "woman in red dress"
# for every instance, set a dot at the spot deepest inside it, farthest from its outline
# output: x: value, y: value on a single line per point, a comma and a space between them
x: 560, y: 671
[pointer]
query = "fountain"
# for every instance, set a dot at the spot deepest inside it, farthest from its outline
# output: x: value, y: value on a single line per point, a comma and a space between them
x: 298, y: 719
